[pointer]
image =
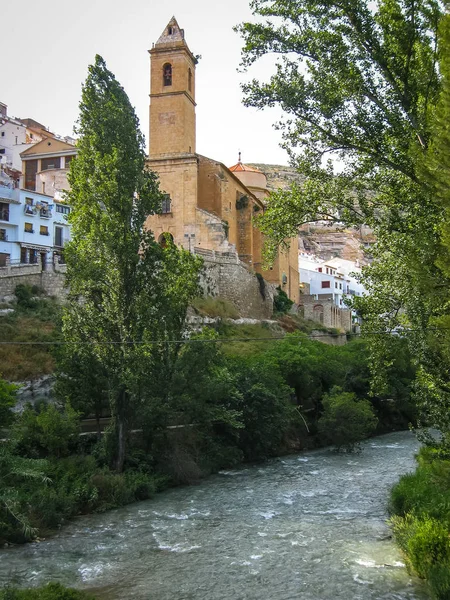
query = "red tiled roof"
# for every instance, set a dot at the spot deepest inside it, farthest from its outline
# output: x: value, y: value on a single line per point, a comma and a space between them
x: 241, y: 167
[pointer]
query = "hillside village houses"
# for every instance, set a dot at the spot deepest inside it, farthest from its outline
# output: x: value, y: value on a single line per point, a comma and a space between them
x: 324, y: 287
x: 33, y: 214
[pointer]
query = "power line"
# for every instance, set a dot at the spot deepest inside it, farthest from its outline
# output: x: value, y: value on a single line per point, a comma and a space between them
x: 208, y: 341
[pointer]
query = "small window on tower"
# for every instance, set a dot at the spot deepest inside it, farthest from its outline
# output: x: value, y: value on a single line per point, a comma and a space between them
x: 167, y: 74
x: 170, y: 31
x: 190, y: 80
x: 166, y: 205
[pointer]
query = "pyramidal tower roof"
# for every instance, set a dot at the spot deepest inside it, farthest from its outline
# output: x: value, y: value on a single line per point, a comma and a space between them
x: 171, y: 34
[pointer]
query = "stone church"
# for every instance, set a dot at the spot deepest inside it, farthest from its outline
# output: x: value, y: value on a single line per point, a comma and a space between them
x: 208, y: 206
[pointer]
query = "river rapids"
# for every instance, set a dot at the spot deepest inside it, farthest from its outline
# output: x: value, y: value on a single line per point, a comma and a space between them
x: 310, y: 526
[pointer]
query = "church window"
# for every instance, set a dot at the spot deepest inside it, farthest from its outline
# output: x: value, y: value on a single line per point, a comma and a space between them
x: 190, y: 80
x: 166, y: 205
x: 170, y: 31
x: 167, y: 74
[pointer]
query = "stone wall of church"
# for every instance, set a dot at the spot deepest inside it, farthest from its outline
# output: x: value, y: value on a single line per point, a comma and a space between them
x: 178, y: 178
x: 228, y: 278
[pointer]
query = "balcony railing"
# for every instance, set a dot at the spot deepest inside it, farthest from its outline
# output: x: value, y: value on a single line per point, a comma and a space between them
x: 7, y: 191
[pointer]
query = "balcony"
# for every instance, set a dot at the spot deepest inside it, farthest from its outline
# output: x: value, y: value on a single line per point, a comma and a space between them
x: 30, y: 210
x: 45, y: 213
x: 7, y: 192
x: 4, y: 214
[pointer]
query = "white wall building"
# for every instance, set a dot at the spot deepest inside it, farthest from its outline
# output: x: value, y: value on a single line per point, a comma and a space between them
x: 17, y: 135
x: 332, y: 279
x: 33, y: 218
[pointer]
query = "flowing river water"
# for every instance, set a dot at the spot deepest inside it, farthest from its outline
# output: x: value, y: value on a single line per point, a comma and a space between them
x: 310, y: 526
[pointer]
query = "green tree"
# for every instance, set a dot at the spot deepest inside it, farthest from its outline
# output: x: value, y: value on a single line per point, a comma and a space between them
x: 82, y: 381
x: 433, y: 386
x: 7, y: 402
x: 346, y: 420
x: 360, y: 82
x: 46, y: 431
x: 128, y: 295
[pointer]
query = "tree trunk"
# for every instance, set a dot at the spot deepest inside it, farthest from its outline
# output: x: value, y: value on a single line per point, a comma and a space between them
x: 120, y: 446
x: 121, y: 429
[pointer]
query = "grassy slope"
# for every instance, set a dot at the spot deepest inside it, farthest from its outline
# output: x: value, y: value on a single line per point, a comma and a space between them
x: 37, y: 322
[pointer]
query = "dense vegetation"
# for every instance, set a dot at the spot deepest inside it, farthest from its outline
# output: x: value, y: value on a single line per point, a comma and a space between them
x: 236, y: 401
x: 369, y: 83
x: 421, y: 505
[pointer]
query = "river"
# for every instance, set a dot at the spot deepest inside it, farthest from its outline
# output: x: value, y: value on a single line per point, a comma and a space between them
x: 310, y: 526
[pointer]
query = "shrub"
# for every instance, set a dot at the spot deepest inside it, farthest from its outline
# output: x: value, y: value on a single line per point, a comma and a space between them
x: 7, y: 402
x: 346, y: 420
x: 47, y: 431
x: 24, y: 294
x: 425, y: 493
x: 425, y: 542
x: 281, y: 302
x: 439, y: 579
x: 215, y: 307
x: 428, y: 545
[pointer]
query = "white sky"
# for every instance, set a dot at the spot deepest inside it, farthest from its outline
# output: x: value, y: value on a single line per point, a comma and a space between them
x: 47, y: 46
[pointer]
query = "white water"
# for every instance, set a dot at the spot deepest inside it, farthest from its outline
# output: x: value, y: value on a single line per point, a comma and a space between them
x: 306, y: 527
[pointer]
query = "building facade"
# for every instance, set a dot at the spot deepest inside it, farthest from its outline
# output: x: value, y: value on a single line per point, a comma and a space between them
x: 207, y: 205
x: 33, y: 214
x: 324, y: 288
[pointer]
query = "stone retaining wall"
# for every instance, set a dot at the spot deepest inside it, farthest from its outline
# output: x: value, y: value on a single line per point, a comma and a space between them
x: 226, y: 276
x: 51, y: 280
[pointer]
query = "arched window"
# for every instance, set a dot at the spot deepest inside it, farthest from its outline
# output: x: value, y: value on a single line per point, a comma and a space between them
x: 167, y: 74
x: 318, y: 313
x: 164, y: 239
x: 190, y: 80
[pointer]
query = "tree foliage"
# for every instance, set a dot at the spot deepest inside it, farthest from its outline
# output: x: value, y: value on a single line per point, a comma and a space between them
x: 128, y: 295
x: 346, y: 420
x: 361, y: 82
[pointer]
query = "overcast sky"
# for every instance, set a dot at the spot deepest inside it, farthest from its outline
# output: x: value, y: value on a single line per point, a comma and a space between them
x: 47, y: 46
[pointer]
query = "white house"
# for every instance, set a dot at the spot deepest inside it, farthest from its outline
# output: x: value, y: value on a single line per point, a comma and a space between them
x: 33, y: 217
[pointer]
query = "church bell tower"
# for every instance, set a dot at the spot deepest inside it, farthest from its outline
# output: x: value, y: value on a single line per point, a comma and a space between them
x: 172, y: 94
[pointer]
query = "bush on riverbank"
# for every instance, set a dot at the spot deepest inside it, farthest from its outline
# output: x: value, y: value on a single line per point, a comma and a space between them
x: 52, y: 591
x: 420, y: 503
x: 346, y: 420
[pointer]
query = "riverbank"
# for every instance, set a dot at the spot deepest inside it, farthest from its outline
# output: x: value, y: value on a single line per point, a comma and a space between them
x: 420, y: 503
x: 310, y: 525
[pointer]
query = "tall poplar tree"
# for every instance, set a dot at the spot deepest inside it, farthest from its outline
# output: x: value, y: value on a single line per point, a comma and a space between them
x: 128, y: 295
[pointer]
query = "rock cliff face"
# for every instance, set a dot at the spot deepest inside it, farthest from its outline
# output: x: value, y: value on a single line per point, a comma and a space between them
x: 324, y: 240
